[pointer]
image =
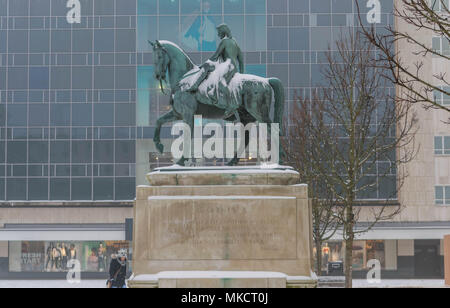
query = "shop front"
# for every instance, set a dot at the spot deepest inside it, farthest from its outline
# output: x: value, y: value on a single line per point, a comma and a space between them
x: 403, y: 251
x: 55, y: 255
x: 44, y: 257
x: 333, y: 254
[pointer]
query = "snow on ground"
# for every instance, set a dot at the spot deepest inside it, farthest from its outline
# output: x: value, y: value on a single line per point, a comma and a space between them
x: 101, y: 284
x: 53, y: 284
x: 404, y: 283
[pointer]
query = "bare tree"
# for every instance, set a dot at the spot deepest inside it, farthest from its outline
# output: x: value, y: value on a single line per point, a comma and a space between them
x: 297, y: 148
x: 345, y: 129
x: 420, y: 15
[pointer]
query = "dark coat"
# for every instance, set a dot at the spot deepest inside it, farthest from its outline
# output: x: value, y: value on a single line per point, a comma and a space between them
x: 119, y: 280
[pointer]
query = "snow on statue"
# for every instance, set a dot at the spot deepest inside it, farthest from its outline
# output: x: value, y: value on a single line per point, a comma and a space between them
x: 214, y: 88
x: 218, y: 89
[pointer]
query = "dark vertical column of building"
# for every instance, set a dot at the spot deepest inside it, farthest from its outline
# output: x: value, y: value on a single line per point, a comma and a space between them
x: 405, y: 266
x: 114, y: 88
x: 60, y: 63
x: 125, y: 109
x: 17, y: 85
x: 428, y: 263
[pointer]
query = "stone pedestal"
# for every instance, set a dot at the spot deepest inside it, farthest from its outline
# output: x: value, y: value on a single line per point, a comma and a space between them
x: 222, y: 227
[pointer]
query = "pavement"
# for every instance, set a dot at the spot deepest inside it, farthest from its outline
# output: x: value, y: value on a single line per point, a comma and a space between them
x: 52, y: 284
x: 413, y: 283
x: 403, y: 283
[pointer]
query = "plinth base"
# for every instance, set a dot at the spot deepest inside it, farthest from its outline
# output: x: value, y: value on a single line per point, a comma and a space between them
x: 228, y: 222
x: 214, y: 280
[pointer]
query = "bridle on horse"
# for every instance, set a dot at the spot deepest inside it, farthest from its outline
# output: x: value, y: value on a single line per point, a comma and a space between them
x: 161, y: 79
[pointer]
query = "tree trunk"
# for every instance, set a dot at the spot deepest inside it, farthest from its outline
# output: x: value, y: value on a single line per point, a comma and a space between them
x: 348, y: 262
x: 349, y: 237
x: 318, y: 257
x: 317, y: 236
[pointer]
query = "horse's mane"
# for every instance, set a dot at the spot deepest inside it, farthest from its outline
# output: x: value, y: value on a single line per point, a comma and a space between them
x: 189, y: 61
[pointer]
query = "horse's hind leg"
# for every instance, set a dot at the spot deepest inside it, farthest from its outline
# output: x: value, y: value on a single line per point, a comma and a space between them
x: 190, y: 122
x: 266, y: 119
x: 246, y: 118
x: 262, y: 114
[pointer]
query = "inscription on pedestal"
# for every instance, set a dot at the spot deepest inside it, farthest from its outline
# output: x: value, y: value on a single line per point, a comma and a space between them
x: 206, y: 229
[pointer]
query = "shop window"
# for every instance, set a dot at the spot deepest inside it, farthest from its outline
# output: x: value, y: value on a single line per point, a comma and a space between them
x: 363, y: 251
x: 331, y: 252
x: 358, y: 255
x: 40, y: 256
x: 375, y: 250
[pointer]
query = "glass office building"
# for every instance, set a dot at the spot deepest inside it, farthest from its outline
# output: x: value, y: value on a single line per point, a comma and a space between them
x: 77, y: 93
x: 67, y: 112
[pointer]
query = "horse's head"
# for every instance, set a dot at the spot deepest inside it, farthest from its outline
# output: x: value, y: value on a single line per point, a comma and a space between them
x: 160, y: 60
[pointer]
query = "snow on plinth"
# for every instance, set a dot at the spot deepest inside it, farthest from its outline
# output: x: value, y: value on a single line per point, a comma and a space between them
x: 220, y: 198
x: 265, y: 168
x: 218, y: 275
x: 209, y: 275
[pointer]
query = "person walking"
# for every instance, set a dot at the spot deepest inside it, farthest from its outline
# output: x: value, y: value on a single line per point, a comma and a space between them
x: 118, y: 270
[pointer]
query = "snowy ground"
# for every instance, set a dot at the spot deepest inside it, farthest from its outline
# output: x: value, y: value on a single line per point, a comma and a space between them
x: 101, y: 284
x: 413, y: 283
x: 58, y: 284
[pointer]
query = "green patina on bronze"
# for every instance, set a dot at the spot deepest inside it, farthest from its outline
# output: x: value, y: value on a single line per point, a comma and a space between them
x: 249, y: 103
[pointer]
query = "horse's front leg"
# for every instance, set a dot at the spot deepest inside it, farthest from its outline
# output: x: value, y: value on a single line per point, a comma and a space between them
x: 190, y: 122
x: 167, y: 118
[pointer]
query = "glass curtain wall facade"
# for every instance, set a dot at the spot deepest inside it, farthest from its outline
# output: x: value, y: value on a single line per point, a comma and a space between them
x: 78, y: 99
x: 67, y: 100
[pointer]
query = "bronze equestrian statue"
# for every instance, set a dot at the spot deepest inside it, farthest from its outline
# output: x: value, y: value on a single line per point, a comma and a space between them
x: 218, y: 89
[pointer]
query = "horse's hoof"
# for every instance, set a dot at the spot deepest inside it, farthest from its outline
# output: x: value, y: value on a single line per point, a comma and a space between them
x: 181, y: 163
x: 233, y: 162
x: 160, y: 148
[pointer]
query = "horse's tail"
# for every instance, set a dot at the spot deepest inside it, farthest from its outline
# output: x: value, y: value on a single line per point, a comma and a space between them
x: 278, y: 91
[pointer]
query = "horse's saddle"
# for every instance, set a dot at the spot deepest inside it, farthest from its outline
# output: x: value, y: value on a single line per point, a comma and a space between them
x: 211, y: 85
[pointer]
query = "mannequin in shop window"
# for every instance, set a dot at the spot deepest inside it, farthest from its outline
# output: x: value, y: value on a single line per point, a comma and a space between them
x: 49, y: 257
x: 72, y: 252
x: 56, y: 252
x: 64, y: 257
x: 101, y: 258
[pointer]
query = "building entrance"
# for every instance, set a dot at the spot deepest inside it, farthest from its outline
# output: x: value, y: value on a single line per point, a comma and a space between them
x: 426, y: 259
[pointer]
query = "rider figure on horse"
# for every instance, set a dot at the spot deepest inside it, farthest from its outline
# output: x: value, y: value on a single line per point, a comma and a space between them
x: 228, y: 50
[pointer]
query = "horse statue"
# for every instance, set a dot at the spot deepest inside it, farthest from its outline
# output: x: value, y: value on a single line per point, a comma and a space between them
x: 250, y: 99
